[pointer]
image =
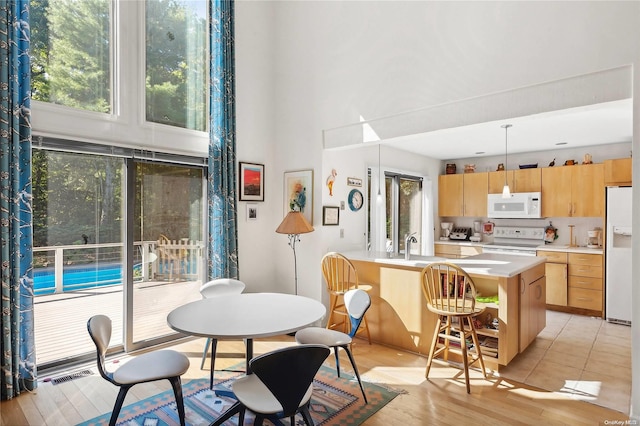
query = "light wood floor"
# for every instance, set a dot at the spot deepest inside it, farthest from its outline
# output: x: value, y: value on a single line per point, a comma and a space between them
x: 441, y: 400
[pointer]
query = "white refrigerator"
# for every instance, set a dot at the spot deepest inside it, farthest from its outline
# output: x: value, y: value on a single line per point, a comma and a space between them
x: 618, y: 255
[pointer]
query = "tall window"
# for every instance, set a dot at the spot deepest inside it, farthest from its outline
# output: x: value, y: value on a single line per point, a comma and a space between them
x: 71, y: 53
x: 88, y: 55
x: 176, y: 63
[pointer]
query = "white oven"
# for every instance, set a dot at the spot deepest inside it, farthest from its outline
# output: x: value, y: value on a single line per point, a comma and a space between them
x: 520, y: 205
x: 516, y: 240
x: 519, y: 250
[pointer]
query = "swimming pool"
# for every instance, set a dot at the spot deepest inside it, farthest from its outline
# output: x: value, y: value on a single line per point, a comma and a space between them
x: 77, y: 278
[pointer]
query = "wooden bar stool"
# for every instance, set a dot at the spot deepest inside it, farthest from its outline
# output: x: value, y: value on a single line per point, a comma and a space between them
x: 451, y: 294
x: 340, y: 276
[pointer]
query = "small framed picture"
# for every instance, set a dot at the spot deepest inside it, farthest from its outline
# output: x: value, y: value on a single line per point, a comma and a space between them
x: 251, y: 182
x: 252, y: 211
x: 351, y: 181
x: 330, y: 215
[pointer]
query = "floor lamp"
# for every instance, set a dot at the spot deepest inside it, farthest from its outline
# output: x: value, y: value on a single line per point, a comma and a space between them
x: 294, y: 224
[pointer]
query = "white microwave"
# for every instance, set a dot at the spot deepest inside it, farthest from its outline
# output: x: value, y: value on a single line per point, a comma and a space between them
x: 521, y: 205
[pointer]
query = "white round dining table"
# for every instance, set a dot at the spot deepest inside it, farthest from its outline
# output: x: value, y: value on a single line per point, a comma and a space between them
x: 246, y: 316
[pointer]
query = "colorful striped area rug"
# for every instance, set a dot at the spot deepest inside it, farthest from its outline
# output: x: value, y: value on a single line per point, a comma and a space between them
x: 335, y: 401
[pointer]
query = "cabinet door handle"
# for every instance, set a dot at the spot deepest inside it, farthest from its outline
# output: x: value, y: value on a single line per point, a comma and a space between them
x: 539, y: 291
x: 522, y: 285
x: 585, y: 298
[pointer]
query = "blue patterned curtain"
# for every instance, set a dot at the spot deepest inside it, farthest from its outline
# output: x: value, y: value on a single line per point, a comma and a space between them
x: 223, y: 234
x: 18, y: 366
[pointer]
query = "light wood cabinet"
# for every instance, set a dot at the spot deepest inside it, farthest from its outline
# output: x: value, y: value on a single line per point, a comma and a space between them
x: 463, y: 195
x: 573, y: 191
x: 453, y: 251
x: 450, y: 195
x: 618, y: 172
x: 585, y: 286
x: 532, y: 305
x: 520, y: 180
x: 556, y: 271
x: 399, y: 318
x: 475, y: 194
x: 574, y: 281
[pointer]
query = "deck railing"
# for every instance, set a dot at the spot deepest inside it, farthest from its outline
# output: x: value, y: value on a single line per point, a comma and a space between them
x: 58, y: 269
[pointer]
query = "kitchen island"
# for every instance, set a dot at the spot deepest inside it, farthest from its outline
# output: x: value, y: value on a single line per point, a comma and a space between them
x: 398, y: 316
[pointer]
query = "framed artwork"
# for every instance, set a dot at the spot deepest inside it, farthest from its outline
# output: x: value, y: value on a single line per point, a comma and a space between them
x: 330, y: 215
x: 252, y: 211
x: 351, y: 181
x: 298, y: 193
x: 251, y: 182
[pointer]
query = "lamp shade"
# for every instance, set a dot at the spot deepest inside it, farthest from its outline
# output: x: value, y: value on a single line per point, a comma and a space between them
x: 294, y: 223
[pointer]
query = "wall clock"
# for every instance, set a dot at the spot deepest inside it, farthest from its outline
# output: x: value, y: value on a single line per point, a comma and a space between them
x: 356, y: 200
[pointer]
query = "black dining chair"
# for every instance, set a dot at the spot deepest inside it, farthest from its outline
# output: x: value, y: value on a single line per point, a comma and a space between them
x: 280, y: 386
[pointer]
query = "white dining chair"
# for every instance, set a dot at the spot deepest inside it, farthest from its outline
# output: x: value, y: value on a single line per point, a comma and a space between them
x: 149, y: 367
x: 216, y: 288
x: 356, y: 301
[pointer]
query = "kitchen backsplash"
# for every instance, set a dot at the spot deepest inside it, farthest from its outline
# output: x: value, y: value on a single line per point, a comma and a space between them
x: 581, y: 226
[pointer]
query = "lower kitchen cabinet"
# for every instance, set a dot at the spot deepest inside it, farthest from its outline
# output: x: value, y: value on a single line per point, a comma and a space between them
x: 456, y: 251
x: 574, y: 282
x: 533, y: 311
x: 585, y: 281
x: 556, y: 270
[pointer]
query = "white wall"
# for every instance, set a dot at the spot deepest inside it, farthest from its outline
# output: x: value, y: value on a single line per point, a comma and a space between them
x: 308, y: 66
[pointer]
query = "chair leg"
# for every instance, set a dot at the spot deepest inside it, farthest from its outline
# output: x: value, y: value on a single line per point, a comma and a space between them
x: 306, y: 415
x: 434, y: 343
x: 366, y: 327
x: 214, y: 346
x: 118, y: 406
x: 205, y: 352
x: 355, y: 369
x: 233, y: 410
x: 241, y: 415
x: 335, y: 351
x: 465, y: 355
x: 177, y: 391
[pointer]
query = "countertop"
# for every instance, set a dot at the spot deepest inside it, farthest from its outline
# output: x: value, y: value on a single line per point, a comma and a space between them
x: 547, y: 247
x: 489, y: 264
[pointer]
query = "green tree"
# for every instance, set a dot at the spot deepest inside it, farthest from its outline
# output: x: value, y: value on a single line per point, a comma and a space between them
x: 175, y: 65
x: 71, y: 53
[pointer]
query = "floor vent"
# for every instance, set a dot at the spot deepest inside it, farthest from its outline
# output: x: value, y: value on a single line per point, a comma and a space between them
x: 69, y: 377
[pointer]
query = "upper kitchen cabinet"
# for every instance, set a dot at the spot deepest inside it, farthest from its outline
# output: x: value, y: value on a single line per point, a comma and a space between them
x: 573, y: 191
x: 617, y: 172
x: 521, y: 180
x: 463, y: 194
x: 450, y: 195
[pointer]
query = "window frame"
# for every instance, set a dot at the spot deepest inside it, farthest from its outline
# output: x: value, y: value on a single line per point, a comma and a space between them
x: 126, y: 125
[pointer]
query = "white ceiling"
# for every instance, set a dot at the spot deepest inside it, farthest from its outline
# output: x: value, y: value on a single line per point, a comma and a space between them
x: 606, y: 123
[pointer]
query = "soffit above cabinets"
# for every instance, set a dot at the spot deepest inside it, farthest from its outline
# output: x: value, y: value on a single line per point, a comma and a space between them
x: 587, y: 110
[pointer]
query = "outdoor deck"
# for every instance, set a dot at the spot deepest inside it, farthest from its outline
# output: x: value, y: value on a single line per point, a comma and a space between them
x: 61, y: 319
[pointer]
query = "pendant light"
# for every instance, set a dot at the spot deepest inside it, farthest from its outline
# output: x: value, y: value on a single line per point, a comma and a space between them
x: 506, y: 192
x: 379, y: 197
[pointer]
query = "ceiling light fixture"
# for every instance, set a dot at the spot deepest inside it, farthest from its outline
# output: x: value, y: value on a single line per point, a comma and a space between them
x: 506, y: 192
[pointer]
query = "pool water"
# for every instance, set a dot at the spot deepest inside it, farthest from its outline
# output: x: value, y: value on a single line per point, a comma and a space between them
x: 77, y: 278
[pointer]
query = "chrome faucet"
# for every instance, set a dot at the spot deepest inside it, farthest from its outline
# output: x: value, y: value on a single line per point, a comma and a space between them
x: 408, y: 239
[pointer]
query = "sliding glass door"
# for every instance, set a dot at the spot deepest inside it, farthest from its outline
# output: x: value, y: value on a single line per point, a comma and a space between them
x: 169, y: 245
x: 78, y: 250
x: 113, y: 236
